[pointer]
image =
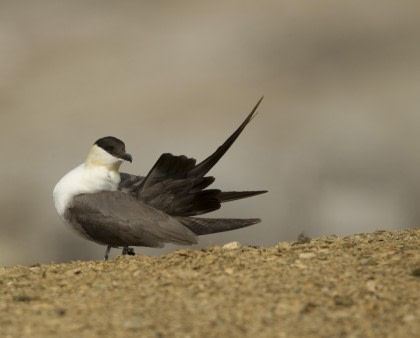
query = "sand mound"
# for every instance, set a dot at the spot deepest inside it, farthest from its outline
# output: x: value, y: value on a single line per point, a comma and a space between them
x: 362, y: 285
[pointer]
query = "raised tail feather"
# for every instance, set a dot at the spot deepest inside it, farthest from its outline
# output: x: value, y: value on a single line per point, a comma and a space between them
x: 177, y: 186
x: 227, y: 196
x: 204, y: 167
x: 205, y: 226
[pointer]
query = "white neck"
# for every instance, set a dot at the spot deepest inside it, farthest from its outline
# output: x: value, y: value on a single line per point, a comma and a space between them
x: 98, y: 173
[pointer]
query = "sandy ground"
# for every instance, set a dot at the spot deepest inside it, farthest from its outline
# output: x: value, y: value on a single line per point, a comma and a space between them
x: 366, y: 285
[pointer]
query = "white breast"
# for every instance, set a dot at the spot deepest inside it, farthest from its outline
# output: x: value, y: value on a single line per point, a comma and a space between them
x: 83, y: 179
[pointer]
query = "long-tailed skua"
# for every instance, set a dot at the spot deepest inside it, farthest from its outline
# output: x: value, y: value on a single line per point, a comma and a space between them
x: 121, y: 210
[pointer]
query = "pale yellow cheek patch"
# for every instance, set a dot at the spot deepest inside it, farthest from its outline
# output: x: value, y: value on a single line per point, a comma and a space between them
x: 98, y: 157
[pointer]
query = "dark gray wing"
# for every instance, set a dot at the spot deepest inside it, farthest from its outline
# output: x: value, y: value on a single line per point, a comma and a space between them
x: 205, y: 226
x: 130, y: 183
x: 168, y: 188
x: 176, y: 184
x: 116, y: 218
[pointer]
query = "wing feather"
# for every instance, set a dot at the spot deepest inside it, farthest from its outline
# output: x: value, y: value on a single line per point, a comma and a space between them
x: 130, y: 183
x: 176, y: 184
x: 118, y: 219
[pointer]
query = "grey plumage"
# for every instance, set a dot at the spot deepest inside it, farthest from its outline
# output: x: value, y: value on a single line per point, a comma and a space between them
x: 205, y: 226
x: 116, y: 218
x: 129, y: 183
x: 157, y: 209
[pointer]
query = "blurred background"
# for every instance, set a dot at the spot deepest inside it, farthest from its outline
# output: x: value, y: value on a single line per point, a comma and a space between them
x: 336, y: 141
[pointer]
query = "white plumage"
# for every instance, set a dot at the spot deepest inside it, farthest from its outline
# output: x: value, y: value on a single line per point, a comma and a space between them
x: 98, y: 173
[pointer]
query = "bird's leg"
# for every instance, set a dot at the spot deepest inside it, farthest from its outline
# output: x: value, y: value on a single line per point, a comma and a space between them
x: 108, y: 249
x: 128, y: 251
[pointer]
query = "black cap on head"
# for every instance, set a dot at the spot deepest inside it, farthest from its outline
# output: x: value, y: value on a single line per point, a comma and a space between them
x: 114, y: 146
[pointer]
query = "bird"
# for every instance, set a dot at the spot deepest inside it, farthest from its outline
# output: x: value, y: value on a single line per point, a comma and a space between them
x: 121, y: 210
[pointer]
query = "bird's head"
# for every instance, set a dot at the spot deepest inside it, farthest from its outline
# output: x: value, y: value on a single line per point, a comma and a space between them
x: 108, y: 152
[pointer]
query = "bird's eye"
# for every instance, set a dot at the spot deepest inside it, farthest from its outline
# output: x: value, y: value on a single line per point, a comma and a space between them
x: 109, y: 148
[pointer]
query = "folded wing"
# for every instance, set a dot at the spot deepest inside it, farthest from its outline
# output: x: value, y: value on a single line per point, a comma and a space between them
x: 116, y: 218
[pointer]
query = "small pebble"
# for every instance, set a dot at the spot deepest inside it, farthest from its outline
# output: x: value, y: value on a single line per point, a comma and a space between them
x: 232, y: 246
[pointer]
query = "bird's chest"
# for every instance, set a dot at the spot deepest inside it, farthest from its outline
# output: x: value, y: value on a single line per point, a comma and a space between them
x: 83, y: 180
x: 101, y: 179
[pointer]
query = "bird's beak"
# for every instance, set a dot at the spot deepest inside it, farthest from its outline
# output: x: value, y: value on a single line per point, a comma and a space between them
x: 127, y: 157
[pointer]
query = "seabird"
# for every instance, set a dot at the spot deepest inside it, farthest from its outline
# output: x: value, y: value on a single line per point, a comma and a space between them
x: 121, y: 210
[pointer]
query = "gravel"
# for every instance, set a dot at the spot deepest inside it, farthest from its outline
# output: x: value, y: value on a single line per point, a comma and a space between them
x: 366, y: 285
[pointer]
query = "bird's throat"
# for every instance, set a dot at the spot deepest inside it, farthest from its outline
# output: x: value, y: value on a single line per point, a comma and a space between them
x: 92, y: 163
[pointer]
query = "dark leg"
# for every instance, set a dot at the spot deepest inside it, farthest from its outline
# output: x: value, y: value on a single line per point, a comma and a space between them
x: 108, y: 249
x: 128, y: 251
